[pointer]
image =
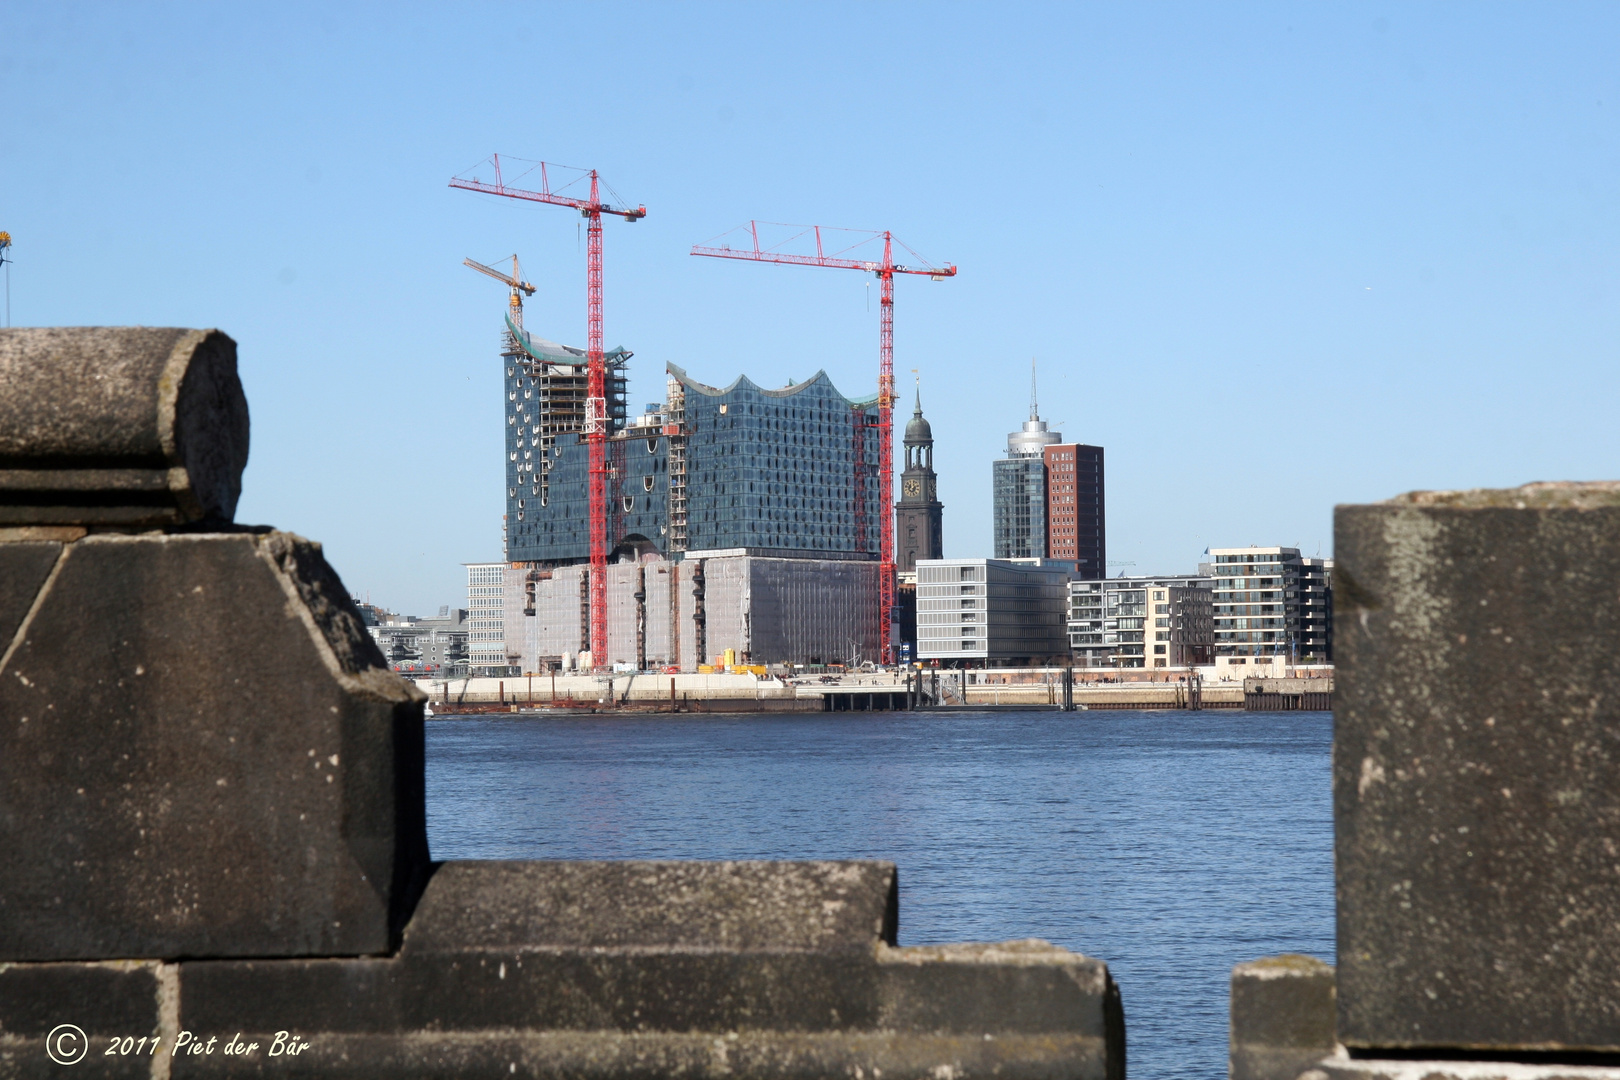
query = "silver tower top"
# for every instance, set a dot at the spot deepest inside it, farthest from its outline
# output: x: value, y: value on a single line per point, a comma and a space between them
x: 1034, y: 438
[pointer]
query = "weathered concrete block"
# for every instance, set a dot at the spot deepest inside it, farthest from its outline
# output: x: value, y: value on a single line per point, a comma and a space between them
x: 23, y: 567
x: 201, y: 754
x: 1476, y: 756
x: 780, y: 906
x: 76, y: 1012
x: 694, y: 1055
x: 1024, y: 987
x: 1343, y: 1067
x: 786, y: 964
x: 119, y: 426
x: 1282, y: 1017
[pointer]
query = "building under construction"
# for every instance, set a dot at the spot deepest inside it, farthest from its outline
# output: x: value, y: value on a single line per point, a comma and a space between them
x: 694, y: 610
x: 739, y: 518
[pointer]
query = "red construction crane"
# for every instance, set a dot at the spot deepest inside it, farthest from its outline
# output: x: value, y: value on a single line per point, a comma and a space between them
x: 885, y: 269
x: 596, y: 414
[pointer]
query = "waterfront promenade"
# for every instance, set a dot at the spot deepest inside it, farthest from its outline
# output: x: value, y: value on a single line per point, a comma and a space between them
x: 882, y: 691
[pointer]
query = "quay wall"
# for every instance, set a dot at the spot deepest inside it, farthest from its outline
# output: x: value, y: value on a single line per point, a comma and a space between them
x: 652, y: 690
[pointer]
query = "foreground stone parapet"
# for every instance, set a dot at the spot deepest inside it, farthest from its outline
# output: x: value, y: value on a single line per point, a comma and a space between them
x: 202, y: 753
x: 625, y: 969
x: 1476, y: 756
x: 1342, y: 1067
x: 1282, y: 1017
x: 119, y: 427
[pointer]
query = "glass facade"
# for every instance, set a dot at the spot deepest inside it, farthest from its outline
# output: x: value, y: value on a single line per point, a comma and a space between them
x: 1018, y: 488
x: 987, y: 609
x: 774, y: 471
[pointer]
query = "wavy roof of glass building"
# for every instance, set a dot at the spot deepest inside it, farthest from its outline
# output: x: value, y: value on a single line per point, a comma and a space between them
x: 819, y: 381
x: 772, y: 471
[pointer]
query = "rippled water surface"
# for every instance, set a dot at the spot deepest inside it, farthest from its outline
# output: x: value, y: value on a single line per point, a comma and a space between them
x: 1170, y: 844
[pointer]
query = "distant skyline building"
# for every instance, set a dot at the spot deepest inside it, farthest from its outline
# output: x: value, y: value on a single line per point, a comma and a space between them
x: 485, y: 622
x: 919, y: 515
x: 778, y: 486
x: 1048, y: 497
x: 1076, y: 529
x: 773, y: 472
x: 1271, y: 602
x: 423, y: 646
x: 971, y: 612
x: 1163, y: 621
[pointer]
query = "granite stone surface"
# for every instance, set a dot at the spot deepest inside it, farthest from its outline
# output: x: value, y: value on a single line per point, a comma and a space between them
x: 1341, y: 1067
x: 795, y: 979
x: 120, y: 426
x: 1282, y: 1017
x: 201, y: 754
x: 1477, y: 771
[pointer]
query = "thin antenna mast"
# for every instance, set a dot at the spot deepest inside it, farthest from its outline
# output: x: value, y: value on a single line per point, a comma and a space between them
x: 1034, y: 404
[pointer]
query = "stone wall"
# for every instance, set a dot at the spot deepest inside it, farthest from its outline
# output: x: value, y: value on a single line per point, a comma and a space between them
x: 1476, y: 787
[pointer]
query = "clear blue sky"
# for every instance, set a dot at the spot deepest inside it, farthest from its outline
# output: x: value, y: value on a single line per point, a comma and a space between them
x: 1273, y: 257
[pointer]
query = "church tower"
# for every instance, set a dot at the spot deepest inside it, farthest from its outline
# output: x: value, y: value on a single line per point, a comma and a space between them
x: 918, y: 529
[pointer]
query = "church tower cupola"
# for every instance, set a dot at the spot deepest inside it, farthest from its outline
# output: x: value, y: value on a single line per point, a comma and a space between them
x: 918, y: 515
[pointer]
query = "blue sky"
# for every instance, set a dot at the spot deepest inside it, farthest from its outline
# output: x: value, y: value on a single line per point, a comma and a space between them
x: 1273, y: 257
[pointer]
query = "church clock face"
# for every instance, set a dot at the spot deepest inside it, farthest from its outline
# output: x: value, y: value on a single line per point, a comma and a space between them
x: 912, y: 487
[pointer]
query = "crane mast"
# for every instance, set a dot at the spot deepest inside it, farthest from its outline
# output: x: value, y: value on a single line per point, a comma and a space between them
x: 885, y: 271
x: 596, y: 413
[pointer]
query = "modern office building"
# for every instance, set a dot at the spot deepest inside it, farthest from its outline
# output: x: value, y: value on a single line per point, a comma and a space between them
x: 1142, y: 621
x: 425, y: 646
x: 1048, y: 498
x: 976, y: 612
x: 486, y: 637
x: 1271, y: 602
x: 1018, y: 490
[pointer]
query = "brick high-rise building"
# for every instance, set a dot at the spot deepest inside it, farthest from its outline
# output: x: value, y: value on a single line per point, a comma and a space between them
x: 1075, y: 528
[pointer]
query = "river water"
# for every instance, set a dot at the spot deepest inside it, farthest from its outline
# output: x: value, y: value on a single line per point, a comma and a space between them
x: 1170, y: 844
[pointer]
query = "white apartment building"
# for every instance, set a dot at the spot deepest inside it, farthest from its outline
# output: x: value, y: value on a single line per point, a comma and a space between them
x: 1271, y: 602
x: 1008, y: 611
x: 486, y: 622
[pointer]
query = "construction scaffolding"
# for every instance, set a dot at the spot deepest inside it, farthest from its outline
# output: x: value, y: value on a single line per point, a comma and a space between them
x: 675, y: 430
x: 549, y: 397
x: 686, y: 614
